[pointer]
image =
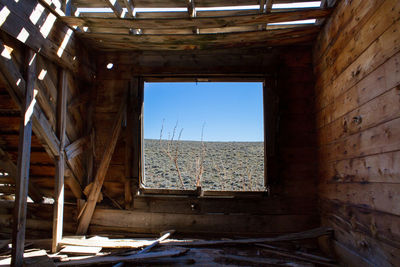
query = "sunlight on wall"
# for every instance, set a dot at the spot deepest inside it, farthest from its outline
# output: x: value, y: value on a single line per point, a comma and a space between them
x: 29, y: 111
x: 23, y: 35
x: 64, y: 43
x: 48, y: 24
x: 6, y: 53
x: 306, y: 21
x: 4, y: 14
x: 297, y: 5
x: 32, y: 59
x: 42, y: 74
x: 36, y: 13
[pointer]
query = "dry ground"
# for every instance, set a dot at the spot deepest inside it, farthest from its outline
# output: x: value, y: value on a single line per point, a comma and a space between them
x: 230, y: 166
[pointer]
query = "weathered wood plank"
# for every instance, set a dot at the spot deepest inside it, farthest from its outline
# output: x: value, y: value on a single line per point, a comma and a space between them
x: 387, y: 14
x: 381, y: 226
x: 377, y: 196
x: 101, y: 172
x: 379, y: 168
x: 116, y: 8
x: 60, y: 161
x: 24, y: 149
x: 76, y: 148
x: 381, y: 109
x: 145, y: 222
x: 201, y: 22
x: 375, y: 140
x: 382, y: 49
x: 373, y: 85
x: 338, y: 31
x: 373, y: 251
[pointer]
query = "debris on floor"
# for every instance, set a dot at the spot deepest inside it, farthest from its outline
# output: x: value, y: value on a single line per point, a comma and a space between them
x: 295, y: 249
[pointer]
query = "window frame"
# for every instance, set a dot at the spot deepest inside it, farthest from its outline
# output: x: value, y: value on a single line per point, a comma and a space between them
x: 143, y: 191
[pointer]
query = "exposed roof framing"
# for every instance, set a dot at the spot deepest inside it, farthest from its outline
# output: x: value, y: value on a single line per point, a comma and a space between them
x: 180, y: 3
x: 224, y: 24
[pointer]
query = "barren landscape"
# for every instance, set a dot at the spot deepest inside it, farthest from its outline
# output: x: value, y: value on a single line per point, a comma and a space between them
x: 227, y: 166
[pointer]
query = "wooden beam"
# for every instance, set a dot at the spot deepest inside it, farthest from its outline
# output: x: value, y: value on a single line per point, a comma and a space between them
x: 131, y: 8
x: 191, y: 8
x: 24, y: 149
x: 77, y: 147
x: 59, y: 179
x: 262, y: 6
x: 9, y: 166
x: 200, y: 22
x: 101, y: 172
x: 115, y: 6
x: 268, y: 6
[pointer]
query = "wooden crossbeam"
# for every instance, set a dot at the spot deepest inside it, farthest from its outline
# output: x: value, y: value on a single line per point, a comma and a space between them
x: 116, y: 7
x: 200, y: 22
x: 60, y: 161
x: 24, y: 150
x: 101, y: 172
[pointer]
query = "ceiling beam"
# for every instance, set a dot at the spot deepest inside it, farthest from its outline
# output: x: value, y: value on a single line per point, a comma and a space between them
x: 199, y: 22
x: 116, y: 7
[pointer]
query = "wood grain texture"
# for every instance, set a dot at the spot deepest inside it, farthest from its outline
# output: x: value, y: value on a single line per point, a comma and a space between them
x: 201, y: 22
x: 357, y: 98
x: 24, y: 149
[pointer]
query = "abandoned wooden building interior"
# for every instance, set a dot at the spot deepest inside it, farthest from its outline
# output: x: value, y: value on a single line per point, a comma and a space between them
x: 72, y: 76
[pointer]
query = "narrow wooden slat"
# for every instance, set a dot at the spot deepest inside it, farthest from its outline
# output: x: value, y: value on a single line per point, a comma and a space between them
x: 191, y: 8
x: 131, y: 8
x: 101, y: 173
x: 24, y: 150
x: 268, y: 5
x: 59, y: 179
x: 200, y: 22
x: 115, y: 6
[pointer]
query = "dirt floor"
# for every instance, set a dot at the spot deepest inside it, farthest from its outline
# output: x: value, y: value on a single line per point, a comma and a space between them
x: 226, y: 166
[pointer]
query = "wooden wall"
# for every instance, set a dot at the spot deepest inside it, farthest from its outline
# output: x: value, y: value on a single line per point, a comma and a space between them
x: 49, y: 60
x: 292, y: 205
x: 357, y: 67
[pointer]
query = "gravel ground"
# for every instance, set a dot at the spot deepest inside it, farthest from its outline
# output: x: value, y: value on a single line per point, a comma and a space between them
x: 230, y: 166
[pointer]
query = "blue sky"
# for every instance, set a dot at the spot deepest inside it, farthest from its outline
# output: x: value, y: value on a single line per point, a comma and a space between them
x: 230, y: 111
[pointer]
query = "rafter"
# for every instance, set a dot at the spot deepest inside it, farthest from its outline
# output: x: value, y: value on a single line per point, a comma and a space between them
x: 200, y: 22
x: 116, y: 7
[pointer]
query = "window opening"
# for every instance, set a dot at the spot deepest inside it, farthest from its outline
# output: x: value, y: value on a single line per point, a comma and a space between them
x: 206, y: 134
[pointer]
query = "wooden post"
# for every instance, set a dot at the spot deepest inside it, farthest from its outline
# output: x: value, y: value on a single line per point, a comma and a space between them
x: 24, y: 150
x: 59, y: 177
